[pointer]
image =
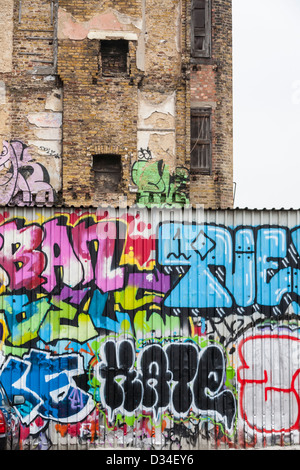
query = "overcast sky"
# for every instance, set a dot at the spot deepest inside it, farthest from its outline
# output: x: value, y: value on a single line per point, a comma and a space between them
x: 266, y: 75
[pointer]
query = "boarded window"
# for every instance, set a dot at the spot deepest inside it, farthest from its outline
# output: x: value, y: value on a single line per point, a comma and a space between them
x: 201, y: 28
x: 107, y: 173
x: 201, y: 140
x: 114, y: 57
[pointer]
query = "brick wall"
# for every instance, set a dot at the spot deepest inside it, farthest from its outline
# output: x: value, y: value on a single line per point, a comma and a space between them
x: 211, y: 86
x: 30, y: 110
x: 125, y: 114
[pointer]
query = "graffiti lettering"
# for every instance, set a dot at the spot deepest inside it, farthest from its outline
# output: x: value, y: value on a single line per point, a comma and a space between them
x: 19, y: 254
x: 47, y: 383
x: 149, y: 331
x: 176, y: 377
x: 273, y: 379
x: 224, y: 269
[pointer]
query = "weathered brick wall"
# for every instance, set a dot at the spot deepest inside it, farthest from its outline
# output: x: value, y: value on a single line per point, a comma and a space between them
x: 30, y: 110
x: 127, y: 114
x: 211, y: 85
x: 54, y: 99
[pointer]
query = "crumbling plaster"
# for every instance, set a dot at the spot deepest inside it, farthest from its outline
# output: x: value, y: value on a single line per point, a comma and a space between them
x: 109, y: 24
x: 156, y: 126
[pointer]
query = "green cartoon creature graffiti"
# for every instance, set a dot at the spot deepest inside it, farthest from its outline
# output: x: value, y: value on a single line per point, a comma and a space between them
x: 157, y: 185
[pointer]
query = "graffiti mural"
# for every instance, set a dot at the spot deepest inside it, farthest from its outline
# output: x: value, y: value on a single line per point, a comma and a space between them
x: 161, y: 384
x: 147, y: 329
x: 156, y: 184
x: 274, y: 384
x: 246, y: 268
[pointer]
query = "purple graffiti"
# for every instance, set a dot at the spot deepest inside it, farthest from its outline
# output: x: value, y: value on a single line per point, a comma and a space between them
x: 23, y: 181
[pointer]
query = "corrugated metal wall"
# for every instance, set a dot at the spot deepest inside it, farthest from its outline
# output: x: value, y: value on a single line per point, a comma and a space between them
x: 152, y: 329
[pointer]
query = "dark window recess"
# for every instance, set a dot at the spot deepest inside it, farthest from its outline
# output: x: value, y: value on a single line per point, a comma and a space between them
x: 107, y: 173
x: 114, y: 57
x: 201, y: 141
x: 201, y: 28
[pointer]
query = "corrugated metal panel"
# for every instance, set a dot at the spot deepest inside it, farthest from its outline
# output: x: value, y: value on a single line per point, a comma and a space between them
x: 151, y: 329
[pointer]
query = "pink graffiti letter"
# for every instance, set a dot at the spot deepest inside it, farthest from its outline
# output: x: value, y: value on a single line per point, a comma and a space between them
x: 20, y: 255
x: 62, y: 264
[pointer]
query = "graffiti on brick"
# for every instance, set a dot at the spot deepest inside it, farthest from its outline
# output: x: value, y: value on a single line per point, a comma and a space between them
x: 23, y: 181
x: 156, y: 184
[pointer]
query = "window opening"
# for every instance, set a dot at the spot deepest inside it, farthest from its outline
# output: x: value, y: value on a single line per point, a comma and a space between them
x: 201, y: 140
x: 107, y: 172
x: 114, y: 57
x: 201, y: 28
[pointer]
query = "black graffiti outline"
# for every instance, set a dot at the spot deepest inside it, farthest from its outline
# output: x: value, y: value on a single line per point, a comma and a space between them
x: 207, y: 395
x: 292, y: 259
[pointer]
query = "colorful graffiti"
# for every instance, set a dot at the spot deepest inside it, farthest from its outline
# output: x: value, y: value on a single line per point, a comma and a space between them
x: 133, y: 328
x: 269, y: 385
x: 22, y: 180
x: 177, y: 364
x: 156, y: 184
x: 246, y: 268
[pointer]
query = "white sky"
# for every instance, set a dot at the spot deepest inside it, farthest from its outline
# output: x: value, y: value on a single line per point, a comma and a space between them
x: 266, y: 77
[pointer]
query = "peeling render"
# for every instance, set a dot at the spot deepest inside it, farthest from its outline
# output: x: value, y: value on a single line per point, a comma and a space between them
x: 147, y: 108
x: 156, y: 127
x: 4, y: 114
x: 2, y: 93
x: 111, y: 20
x: 107, y: 25
x: 45, y: 119
x: 47, y: 128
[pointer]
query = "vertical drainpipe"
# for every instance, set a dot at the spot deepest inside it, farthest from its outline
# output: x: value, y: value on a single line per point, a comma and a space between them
x: 20, y: 11
x: 55, y: 40
x: 186, y: 58
x: 54, y: 17
x: 144, y: 20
